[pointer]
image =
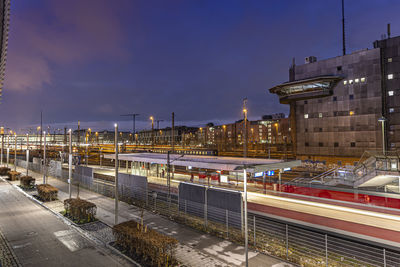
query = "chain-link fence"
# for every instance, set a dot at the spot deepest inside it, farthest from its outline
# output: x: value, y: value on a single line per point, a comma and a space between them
x: 300, y: 245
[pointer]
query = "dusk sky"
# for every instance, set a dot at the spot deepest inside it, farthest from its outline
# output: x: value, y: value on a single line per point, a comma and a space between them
x: 93, y: 60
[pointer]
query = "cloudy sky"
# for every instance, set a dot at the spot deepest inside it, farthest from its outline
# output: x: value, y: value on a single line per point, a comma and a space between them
x: 93, y: 60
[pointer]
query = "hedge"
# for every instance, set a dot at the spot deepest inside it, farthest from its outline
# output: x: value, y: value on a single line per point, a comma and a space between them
x: 47, y: 192
x: 153, y: 247
x: 80, y: 210
x: 27, y: 181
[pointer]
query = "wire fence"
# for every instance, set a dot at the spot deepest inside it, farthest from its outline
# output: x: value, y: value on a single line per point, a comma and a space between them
x: 300, y: 245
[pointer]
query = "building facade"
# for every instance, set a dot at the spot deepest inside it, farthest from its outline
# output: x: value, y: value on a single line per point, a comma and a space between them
x: 337, y: 104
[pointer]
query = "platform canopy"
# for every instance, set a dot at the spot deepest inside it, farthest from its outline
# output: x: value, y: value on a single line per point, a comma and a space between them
x: 209, y: 162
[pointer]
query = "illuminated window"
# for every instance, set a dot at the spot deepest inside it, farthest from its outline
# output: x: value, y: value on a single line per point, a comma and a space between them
x: 357, y: 80
x: 390, y: 93
x: 390, y: 76
x: 391, y: 110
x: 351, y: 112
x: 350, y: 81
x: 362, y: 79
x: 344, y: 82
x: 320, y: 115
x: 390, y: 59
x: 305, y: 116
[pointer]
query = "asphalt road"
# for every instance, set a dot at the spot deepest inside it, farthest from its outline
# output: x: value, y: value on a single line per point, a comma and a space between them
x: 39, y: 238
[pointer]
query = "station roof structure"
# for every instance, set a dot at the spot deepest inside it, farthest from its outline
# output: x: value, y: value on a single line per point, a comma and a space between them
x: 305, y: 89
x: 209, y: 162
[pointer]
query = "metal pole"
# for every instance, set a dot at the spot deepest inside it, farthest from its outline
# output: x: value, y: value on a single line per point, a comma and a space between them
x: 205, y: 207
x: 384, y: 257
x: 86, y: 150
x: 2, y: 148
x: 326, y: 250
x: 44, y: 159
x: 246, y: 238
x: 70, y: 164
x: 116, y: 173
x: 173, y: 133
x: 227, y: 222
x: 27, y: 154
x: 15, y: 152
x: 254, y: 229
x: 8, y: 156
x: 168, y: 174
x: 245, y: 129
x: 287, y: 241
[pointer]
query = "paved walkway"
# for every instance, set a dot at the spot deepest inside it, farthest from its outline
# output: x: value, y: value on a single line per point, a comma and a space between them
x: 195, y: 249
x: 38, y: 238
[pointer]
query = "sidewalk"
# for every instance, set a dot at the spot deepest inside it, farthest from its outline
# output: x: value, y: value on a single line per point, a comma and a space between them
x: 38, y: 238
x: 195, y: 249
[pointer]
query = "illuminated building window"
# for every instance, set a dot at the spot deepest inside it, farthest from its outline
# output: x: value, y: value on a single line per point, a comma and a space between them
x: 391, y: 110
x: 390, y: 60
x: 356, y: 80
x: 390, y: 76
x: 320, y: 115
x: 362, y: 79
x: 344, y: 82
x: 391, y: 93
x: 305, y: 116
x: 351, y: 113
x: 350, y: 81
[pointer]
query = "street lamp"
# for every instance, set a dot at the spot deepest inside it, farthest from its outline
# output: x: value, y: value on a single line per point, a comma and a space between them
x: 383, y: 120
x: 152, y: 131
x: 70, y: 163
x: 116, y: 172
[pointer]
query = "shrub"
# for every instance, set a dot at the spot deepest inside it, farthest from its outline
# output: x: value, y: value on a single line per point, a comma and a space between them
x: 80, y: 210
x: 47, y: 192
x: 12, y: 175
x: 153, y: 247
x: 4, y: 171
x: 27, y: 181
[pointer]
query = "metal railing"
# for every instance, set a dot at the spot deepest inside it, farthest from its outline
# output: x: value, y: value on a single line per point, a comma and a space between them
x: 297, y: 244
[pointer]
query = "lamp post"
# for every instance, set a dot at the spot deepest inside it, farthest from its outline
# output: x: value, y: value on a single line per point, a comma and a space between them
x: 383, y: 120
x: 2, y: 144
x: 27, y: 154
x: 246, y: 241
x: 15, y: 152
x: 152, y: 131
x: 70, y: 163
x: 116, y: 172
x: 44, y: 158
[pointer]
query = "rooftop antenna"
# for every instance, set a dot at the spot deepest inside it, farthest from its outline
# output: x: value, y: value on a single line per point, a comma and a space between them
x: 388, y: 30
x: 343, y: 33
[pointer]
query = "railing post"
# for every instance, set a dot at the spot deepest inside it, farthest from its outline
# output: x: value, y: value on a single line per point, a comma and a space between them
x: 227, y: 223
x: 326, y: 250
x: 254, y: 229
x: 185, y: 209
x: 205, y: 208
x: 287, y: 241
x: 384, y: 257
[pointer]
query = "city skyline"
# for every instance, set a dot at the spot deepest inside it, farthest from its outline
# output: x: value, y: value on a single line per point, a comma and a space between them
x: 202, y: 58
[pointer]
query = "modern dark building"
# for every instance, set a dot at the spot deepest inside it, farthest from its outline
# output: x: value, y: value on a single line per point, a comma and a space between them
x: 4, y: 27
x: 336, y: 104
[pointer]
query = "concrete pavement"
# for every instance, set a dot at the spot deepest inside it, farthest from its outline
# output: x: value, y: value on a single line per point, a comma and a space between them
x: 195, y: 249
x: 38, y: 238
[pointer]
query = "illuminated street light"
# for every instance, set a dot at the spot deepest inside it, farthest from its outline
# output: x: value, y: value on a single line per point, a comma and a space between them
x: 152, y: 131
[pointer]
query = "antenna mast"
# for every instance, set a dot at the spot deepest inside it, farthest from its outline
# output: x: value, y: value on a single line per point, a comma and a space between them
x: 343, y: 32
